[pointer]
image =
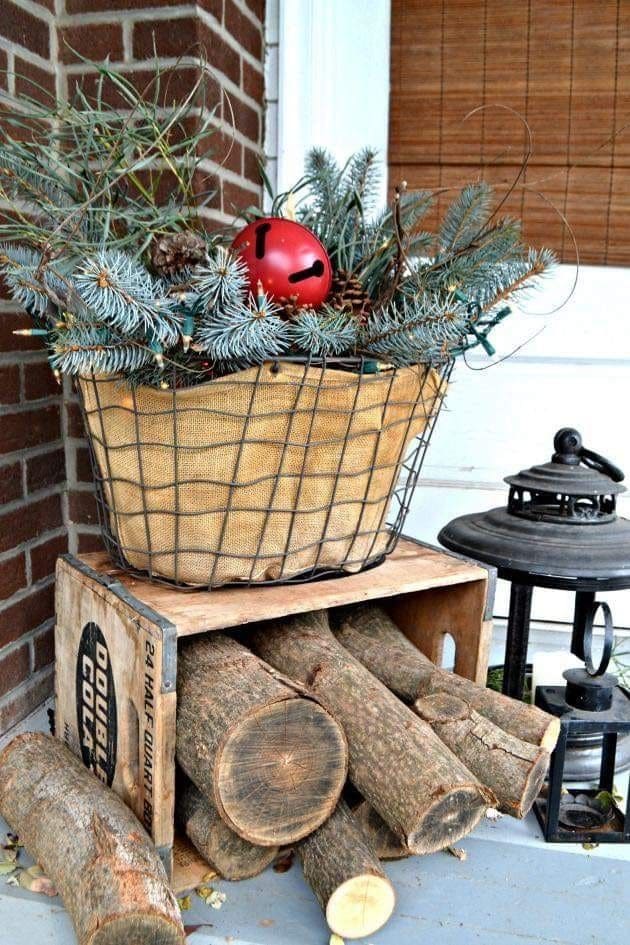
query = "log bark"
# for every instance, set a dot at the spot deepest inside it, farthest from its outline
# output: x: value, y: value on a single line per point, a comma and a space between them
x: 232, y: 857
x: 345, y: 875
x: 272, y: 761
x: 380, y: 837
x: 418, y: 786
x: 372, y: 637
x: 91, y: 846
x: 514, y: 770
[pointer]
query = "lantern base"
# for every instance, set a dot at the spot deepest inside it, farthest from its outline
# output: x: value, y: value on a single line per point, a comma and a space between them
x: 579, y: 816
x: 583, y: 820
x: 584, y: 749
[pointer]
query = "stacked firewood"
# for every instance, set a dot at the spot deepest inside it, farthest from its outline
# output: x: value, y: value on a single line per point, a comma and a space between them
x: 327, y: 733
x: 272, y: 723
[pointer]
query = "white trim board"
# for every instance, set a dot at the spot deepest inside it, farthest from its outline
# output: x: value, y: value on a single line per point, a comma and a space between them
x: 330, y: 60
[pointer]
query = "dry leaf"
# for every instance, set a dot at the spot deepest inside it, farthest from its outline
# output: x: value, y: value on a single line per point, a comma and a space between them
x: 458, y: 853
x: 184, y: 903
x: 12, y: 842
x: 211, y: 897
x: 284, y: 862
x: 8, y: 861
x: 590, y: 846
x: 493, y: 814
x: 209, y: 876
x: 34, y: 880
x: 216, y: 899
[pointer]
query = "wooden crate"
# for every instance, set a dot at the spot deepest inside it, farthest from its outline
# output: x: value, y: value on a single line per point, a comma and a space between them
x: 116, y: 652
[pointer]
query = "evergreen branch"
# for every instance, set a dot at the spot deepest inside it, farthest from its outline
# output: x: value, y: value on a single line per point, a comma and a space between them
x: 362, y: 178
x: 85, y: 349
x: 248, y: 333
x: 465, y: 217
x: 123, y: 295
x: 29, y: 180
x: 415, y: 331
x: 516, y: 276
x: 223, y: 281
x: 20, y: 267
x: 324, y: 332
x: 324, y: 177
x: 472, y: 266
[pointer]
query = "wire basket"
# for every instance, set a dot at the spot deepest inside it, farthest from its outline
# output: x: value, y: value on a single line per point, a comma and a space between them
x: 289, y: 471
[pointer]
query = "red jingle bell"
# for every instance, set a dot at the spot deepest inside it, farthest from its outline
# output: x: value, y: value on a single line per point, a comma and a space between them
x: 287, y: 258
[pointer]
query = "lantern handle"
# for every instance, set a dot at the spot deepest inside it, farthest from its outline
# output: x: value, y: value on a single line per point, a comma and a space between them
x: 569, y: 451
x: 601, y: 464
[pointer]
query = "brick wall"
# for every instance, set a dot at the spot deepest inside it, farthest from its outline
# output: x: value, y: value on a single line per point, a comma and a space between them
x: 32, y: 467
x: 46, y: 496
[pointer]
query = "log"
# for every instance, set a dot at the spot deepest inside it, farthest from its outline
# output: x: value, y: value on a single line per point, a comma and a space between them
x: 514, y: 770
x: 372, y: 637
x: 417, y: 785
x: 380, y: 837
x: 231, y: 856
x: 345, y: 875
x: 270, y: 760
x: 96, y: 853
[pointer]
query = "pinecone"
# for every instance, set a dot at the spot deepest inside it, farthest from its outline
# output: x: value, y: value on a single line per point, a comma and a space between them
x: 349, y: 293
x: 289, y: 307
x: 173, y: 252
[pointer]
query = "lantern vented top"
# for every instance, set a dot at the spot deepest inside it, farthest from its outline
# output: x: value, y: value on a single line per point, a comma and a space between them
x: 539, y: 531
x: 577, y: 486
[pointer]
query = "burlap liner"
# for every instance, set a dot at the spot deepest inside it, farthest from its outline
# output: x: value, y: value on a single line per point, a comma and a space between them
x: 263, y: 474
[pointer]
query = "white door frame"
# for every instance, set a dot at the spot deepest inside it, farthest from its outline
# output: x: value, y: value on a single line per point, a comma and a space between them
x: 327, y: 81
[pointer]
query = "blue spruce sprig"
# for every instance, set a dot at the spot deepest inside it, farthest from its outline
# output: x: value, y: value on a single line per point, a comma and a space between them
x: 123, y: 295
x: 244, y: 333
x: 516, y: 275
x: 466, y: 217
x: 222, y: 282
x: 471, y: 270
x: 416, y: 330
x: 83, y: 349
x: 25, y: 177
x: 19, y: 265
x: 362, y: 178
x: 325, y: 332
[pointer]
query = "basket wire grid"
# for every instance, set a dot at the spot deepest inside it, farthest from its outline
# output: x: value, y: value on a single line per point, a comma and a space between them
x: 368, y: 538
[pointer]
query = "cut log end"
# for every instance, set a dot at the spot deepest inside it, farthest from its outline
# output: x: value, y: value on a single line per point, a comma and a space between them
x: 123, y: 930
x: 450, y: 818
x: 360, y: 906
x: 533, y: 785
x: 551, y: 735
x: 280, y: 774
x: 346, y: 877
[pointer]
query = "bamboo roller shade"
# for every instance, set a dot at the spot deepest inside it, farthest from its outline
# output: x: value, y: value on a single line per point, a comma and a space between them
x: 562, y: 64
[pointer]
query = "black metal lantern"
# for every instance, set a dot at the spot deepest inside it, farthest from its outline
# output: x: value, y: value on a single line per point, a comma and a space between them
x: 560, y: 529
